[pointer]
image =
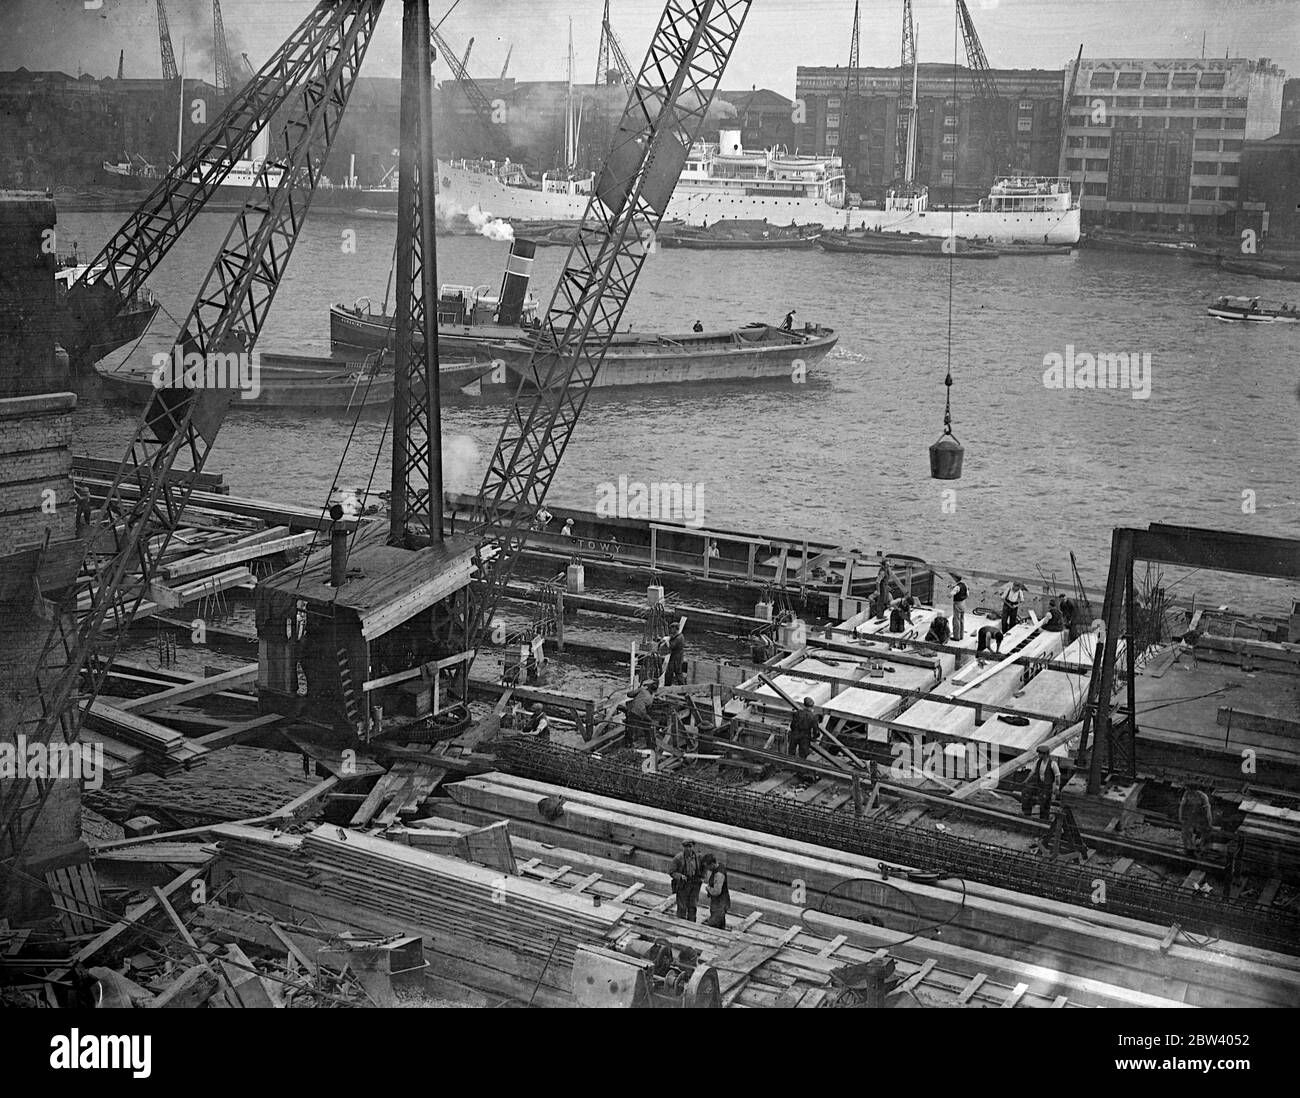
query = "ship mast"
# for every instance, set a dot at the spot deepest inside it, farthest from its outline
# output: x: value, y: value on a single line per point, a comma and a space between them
x: 180, y: 103
x: 909, y: 164
x: 570, y: 137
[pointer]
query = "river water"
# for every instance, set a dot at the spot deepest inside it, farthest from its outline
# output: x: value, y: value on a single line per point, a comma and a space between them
x: 843, y: 457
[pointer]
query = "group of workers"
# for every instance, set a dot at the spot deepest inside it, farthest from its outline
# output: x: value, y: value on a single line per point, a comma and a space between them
x: 689, y: 872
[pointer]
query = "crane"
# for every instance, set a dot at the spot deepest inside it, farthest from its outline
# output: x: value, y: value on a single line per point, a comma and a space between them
x: 480, y: 103
x: 850, y: 135
x: 665, y: 112
x: 464, y: 61
x: 1065, y: 111
x: 985, y: 89
x: 903, y: 165
x: 505, y: 68
x: 611, y: 49
x: 220, y: 51
x: 169, y: 70
x: 309, y: 78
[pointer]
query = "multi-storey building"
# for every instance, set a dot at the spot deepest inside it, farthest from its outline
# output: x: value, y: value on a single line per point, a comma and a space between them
x: 958, y: 130
x: 1155, y: 144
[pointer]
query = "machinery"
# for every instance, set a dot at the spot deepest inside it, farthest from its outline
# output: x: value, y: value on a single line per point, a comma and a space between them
x: 640, y: 973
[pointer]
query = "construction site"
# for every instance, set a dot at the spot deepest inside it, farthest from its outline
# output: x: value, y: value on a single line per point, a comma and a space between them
x: 515, y: 789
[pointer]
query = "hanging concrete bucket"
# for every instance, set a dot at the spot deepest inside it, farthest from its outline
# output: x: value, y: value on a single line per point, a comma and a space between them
x: 945, y: 458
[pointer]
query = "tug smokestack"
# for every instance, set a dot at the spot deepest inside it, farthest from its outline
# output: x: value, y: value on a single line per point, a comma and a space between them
x: 514, y: 286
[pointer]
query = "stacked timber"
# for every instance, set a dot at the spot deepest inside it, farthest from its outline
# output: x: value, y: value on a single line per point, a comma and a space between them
x: 1272, y: 835
x: 1085, y: 942
x: 164, y: 751
x: 513, y: 933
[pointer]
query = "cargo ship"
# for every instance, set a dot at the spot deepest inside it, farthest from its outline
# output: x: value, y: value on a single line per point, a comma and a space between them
x: 725, y: 181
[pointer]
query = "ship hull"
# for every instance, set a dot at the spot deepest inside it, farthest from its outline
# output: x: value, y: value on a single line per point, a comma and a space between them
x: 699, y: 206
x: 760, y: 353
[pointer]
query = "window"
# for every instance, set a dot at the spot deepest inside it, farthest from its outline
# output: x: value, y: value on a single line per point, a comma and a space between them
x: 833, y: 121
x: 1208, y: 104
x: 1184, y: 80
x: 832, y: 137
x: 1075, y: 142
x: 1203, y: 194
x: 950, y: 121
x: 1155, y: 102
x: 1128, y: 101
x: 1129, y: 80
x: 1026, y: 104
x: 1073, y: 164
x: 1024, y: 125
x: 1102, y: 80
x: 1099, y: 142
x: 1235, y: 104
x: 1080, y: 119
x: 1206, y: 144
x: 833, y: 102
x: 1094, y: 188
x: 945, y: 176
x: 1205, y: 167
x: 1096, y: 165
x: 1234, y: 123
x: 1184, y: 122
x: 950, y: 104
x: 1182, y: 101
x: 1214, y: 123
x: 1079, y: 100
x: 1229, y: 145
x: 948, y: 156
x: 950, y: 139
x: 1155, y: 80
x: 1213, y: 79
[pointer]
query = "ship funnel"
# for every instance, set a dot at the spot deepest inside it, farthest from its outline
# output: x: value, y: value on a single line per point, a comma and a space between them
x: 729, y: 142
x: 514, y: 286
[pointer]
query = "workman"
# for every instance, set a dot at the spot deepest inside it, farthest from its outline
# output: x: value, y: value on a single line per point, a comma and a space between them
x: 898, y: 618
x: 804, y: 729
x: 715, y: 885
x: 988, y: 641
x: 537, y: 724
x: 1011, y: 601
x: 686, y: 874
x: 1196, y: 814
x: 1038, y: 787
x: 697, y: 327
x: 676, y: 673
x: 636, y: 715
x: 788, y: 323
x: 1055, y: 622
x: 959, y: 593
x: 939, y: 633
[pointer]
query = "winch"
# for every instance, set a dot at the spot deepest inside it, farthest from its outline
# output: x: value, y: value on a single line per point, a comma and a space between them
x: 641, y: 973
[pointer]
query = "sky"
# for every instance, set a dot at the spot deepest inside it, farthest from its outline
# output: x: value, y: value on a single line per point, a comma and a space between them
x: 778, y: 34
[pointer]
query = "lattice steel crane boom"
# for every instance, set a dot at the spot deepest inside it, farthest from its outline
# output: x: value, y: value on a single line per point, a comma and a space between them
x: 311, y: 75
x: 665, y: 112
x: 224, y: 71
x: 169, y: 69
x: 477, y: 99
x: 985, y: 89
x: 611, y: 48
x: 850, y: 137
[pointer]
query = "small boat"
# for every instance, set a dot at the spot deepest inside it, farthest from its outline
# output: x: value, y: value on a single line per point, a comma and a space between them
x: 741, y: 235
x: 128, y: 324
x: 1251, y: 310
x: 1035, y: 249
x: 306, y: 383
x: 756, y: 352
x: 1261, y: 268
x: 910, y: 244
x: 1116, y: 241
x: 466, y: 322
